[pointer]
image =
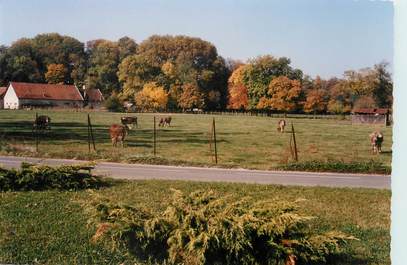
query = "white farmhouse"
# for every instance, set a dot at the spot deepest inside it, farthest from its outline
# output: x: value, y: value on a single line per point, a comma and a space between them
x: 21, y: 95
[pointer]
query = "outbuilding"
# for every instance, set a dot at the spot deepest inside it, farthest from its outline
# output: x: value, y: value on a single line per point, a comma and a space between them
x: 371, y: 116
x: 26, y: 95
x: 2, y: 93
x: 93, y: 98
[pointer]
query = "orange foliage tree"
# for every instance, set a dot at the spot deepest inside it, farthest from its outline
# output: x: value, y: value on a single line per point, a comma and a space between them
x: 55, y: 74
x: 283, y: 94
x: 191, y: 97
x: 237, y: 92
x: 152, y: 97
x: 316, y: 101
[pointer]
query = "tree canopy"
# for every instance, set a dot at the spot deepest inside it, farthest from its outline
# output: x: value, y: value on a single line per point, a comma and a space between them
x: 191, y: 73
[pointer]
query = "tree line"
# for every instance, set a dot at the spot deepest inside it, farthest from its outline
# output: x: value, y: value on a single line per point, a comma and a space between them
x: 181, y: 72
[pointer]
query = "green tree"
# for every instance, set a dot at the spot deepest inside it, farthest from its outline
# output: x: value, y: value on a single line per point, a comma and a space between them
x: 383, y: 86
x: 103, y: 66
x: 53, y: 48
x: 127, y: 47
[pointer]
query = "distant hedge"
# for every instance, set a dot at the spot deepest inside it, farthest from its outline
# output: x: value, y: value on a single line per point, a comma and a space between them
x: 39, y: 177
x: 371, y: 166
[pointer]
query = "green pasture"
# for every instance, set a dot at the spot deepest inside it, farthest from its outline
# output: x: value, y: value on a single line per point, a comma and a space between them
x: 242, y: 141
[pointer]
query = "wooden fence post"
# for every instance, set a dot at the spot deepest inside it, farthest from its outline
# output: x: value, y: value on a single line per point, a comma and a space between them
x: 90, y: 135
x: 154, y: 138
x: 214, y: 140
x: 295, y: 143
x: 36, y: 132
x: 210, y: 139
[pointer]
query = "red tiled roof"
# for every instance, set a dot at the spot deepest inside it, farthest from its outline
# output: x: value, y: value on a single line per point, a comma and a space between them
x: 46, y: 91
x: 94, y: 95
x: 2, y: 92
x: 371, y: 111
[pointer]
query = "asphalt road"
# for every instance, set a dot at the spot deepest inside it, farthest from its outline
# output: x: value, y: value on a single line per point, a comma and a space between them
x: 137, y: 172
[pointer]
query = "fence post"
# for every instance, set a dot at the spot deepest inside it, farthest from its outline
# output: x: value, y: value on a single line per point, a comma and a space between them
x: 154, y: 138
x: 90, y: 134
x: 214, y: 140
x: 36, y: 132
x: 295, y: 143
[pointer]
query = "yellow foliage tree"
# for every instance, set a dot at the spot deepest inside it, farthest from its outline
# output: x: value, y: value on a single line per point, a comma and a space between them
x: 283, y: 94
x: 55, y: 74
x: 152, y: 97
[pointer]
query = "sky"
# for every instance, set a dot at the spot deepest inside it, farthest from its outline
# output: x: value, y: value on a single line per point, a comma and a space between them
x: 321, y: 37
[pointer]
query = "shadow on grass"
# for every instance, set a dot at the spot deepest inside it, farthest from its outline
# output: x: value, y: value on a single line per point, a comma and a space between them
x: 346, y: 259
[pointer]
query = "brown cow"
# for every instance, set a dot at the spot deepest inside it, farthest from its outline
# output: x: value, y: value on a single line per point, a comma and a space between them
x: 117, y: 133
x: 281, y: 125
x: 165, y: 122
x: 129, y: 122
x: 376, y: 140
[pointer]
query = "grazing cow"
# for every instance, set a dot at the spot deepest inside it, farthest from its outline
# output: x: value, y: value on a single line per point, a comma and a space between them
x: 117, y: 133
x: 281, y: 125
x: 42, y: 123
x: 165, y: 122
x: 376, y: 140
x: 129, y: 122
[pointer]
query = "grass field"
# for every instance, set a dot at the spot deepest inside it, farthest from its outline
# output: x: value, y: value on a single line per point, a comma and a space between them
x: 243, y: 141
x: 52, y: 227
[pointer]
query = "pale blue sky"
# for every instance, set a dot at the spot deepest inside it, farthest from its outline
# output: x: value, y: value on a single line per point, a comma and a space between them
x: 324, y: 37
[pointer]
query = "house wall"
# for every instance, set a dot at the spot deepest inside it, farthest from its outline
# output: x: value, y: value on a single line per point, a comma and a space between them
x: 11, y: 100
x: 51, y: 103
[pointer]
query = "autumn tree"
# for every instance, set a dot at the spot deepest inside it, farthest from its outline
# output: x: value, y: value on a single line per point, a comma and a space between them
x: 55, y: 74
x: 152, y: 97
x: 175, y: 61
x: 282, y: 95
x: 238, y: 96
x: 365, y: 102
x: 134, y: 72
x: 260, y: 71
x: 190, y: 97
x: 53, y: 48
x: 316, y: 101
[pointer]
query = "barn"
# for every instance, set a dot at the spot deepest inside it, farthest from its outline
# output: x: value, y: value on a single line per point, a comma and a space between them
x: 371, y: 116
x: 27, y: 95
x: 2, y: 93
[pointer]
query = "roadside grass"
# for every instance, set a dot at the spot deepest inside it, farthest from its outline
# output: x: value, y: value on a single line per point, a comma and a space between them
x: 52, y: 227
x: 243, y: 141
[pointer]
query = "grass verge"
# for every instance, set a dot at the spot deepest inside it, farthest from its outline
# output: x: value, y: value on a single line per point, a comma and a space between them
x: 52, y: 227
